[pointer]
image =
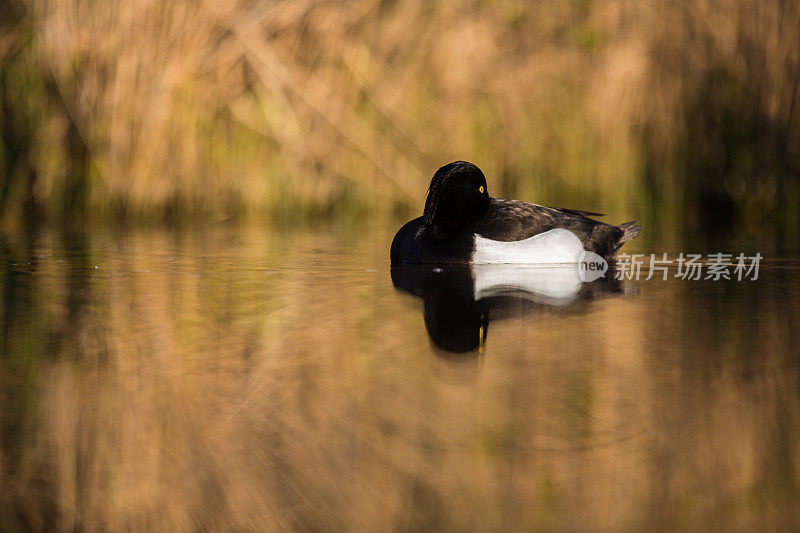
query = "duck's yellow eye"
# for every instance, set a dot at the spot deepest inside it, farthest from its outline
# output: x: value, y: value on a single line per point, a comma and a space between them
x: 480, y: 189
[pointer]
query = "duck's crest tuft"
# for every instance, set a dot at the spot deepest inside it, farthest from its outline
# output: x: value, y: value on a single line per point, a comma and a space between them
x: 436, y: 188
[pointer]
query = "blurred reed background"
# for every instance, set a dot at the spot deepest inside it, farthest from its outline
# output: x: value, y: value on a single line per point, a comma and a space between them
x: 230, y: 378
x: 683, y: 114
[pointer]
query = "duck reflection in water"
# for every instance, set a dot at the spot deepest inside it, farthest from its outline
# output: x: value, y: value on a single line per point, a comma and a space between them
x: 460, y: 300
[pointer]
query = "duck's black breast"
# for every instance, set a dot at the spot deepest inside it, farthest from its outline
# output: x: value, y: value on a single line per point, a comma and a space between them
x: 414, y: 243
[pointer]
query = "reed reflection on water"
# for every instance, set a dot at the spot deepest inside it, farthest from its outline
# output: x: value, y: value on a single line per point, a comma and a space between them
x: 251, y: 379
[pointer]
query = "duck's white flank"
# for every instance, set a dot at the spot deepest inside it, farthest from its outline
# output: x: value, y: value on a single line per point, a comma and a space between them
x: 554, y: 247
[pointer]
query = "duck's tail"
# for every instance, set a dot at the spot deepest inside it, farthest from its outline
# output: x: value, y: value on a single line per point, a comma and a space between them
x: 630, y: 231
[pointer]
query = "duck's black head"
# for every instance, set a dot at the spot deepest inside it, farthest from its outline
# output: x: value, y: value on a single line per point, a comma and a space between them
x: 457, y: 197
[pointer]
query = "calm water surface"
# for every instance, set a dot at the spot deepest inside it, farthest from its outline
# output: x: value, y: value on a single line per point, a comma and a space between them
x: 252, y: 379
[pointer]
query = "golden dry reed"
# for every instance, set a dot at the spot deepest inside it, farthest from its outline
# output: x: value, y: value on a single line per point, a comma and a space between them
x: 684, y: 113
